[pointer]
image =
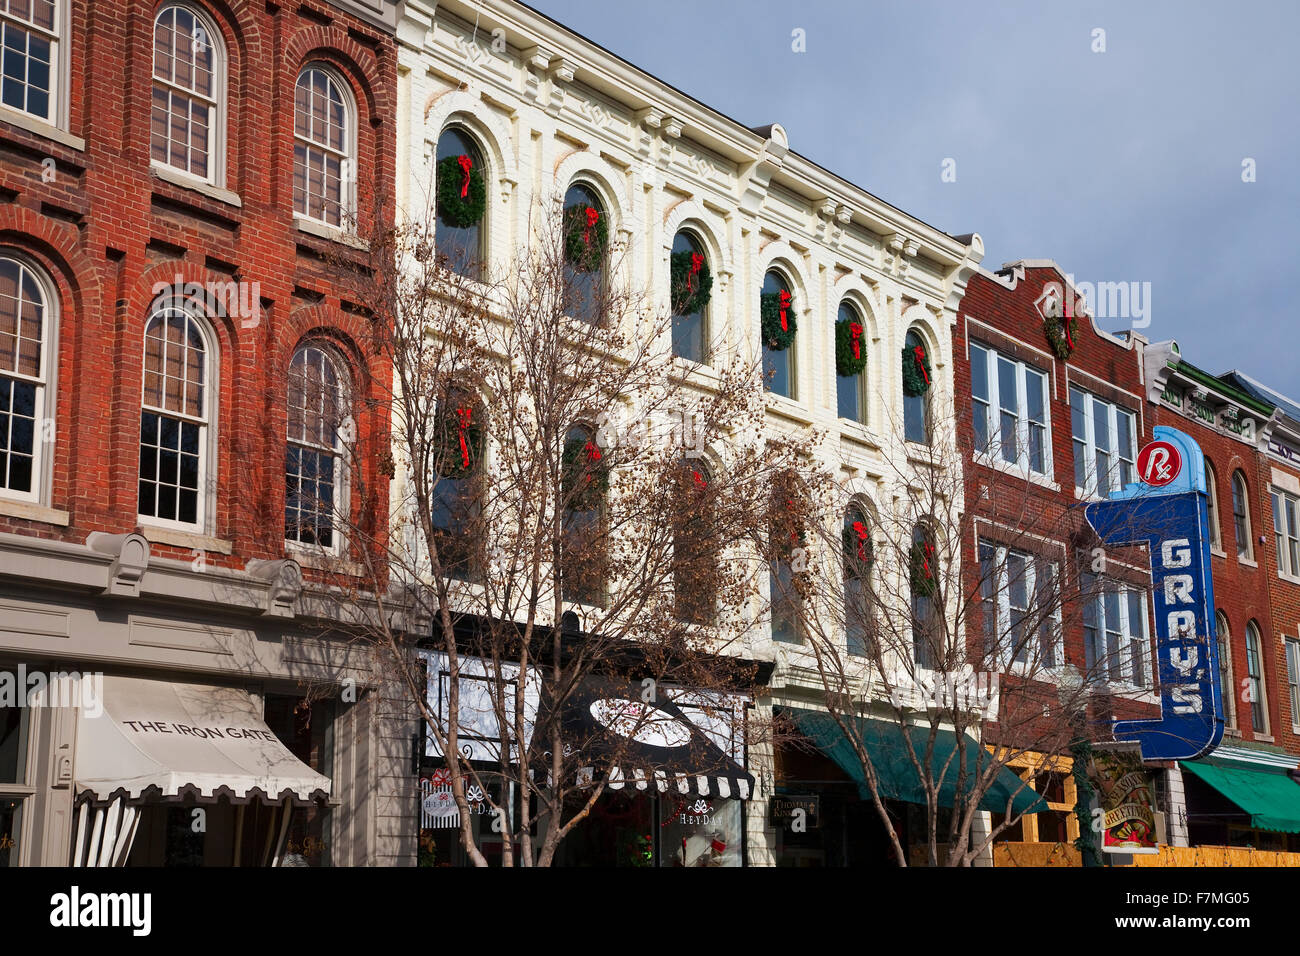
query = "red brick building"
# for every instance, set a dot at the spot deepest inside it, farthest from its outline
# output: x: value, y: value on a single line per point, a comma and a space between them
x: 182, y: 383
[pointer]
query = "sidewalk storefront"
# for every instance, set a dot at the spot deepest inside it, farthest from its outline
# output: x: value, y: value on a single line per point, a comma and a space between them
x: 1240, y: 797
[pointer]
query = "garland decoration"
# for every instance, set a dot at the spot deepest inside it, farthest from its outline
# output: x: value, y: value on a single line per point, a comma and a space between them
x: 777, y: 312
x: 924, y: 582
x: 850, y: 354
x: 1060, y: 335
x: 916, y: 371
x: 462, y: 193
x: 586, y: 235
x: 458, y: 456
x: 585, y: 475
x: 692, y: 283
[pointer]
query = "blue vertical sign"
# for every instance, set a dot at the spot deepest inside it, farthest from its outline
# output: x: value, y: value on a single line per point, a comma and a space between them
x: 1170, y: 519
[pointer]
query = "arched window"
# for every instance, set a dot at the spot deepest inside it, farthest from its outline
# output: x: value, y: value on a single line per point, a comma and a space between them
x: 690, y: 281
x: 695, y: 545
x: 25, y: 379
x: 776, y: 299
x: 31, y: 31
x: 1258, y: 682
x: 314, y: 467
x: 851, y: 337
x: 188, y: 89
x: 918, y: 370
x: 1241, y: 516
x: 1225, y: 669
x: 586, y: 256
x: 927, y: 632
x: 1212, y: 506
x: 786, y: 540
x: 175, y: 417
x: 460, y: 237
x: 456, y: 500
x: 582, y: 550
x: 859, y: 596
x: 324, y: 147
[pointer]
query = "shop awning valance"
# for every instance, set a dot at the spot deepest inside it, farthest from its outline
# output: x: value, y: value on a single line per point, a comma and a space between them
x: 610, y: 732
x: 898, y: 779
x: 156, y: 738
x: 1268, y: 794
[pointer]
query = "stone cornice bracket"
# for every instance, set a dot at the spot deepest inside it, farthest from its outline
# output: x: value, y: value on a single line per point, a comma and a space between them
x: 829, y: 226
x: 130, y: 553
x: 771, y: 157
x: 284, y: 580
x: 960, y: 276
x: 544, y: 63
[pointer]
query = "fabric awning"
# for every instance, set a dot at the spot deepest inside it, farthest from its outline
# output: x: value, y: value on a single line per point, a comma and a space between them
x: 155, y: 738
x: 898, y: 779
x: 609, y: 731
x: 1269, y: 795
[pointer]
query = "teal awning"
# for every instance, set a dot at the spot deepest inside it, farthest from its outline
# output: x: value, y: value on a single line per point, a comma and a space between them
x: 1269, y: 795
x: 887, y: 746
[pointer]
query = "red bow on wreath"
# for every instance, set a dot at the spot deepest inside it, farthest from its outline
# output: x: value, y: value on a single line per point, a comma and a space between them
x: 928, y: 550
x: 1069, y: 339
x: 785, y: 304
x: 697, y: 260
x: 593, y: 217
x: 861, y: 531
x: 466, y: 164
x: 920, y: 362
x: 698, y: 479
x: 593, y: 455
x: 463, y: 414
x: 855, y: 336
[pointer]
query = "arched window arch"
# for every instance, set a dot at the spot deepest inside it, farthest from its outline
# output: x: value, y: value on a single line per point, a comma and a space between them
x: 586, y: 253
x: 315, y: 468
x: 1225, y: 669
x: 187, y: 130
x: 456, y: 501
x: 851, y: 338
x: 1257, y: 680
x: 917, y: 382
x: 859, y: 593
x: 776, y: 300
x: 177, y: 464
x: 1241, y: 516
x: 26, y: 377
x: 924, y: 571
x: 1212, y: 505
x: 460, y: 231
x: 585, y: 484
x: 690, y: 280
x: 695, y: 543
x: 324, y: 147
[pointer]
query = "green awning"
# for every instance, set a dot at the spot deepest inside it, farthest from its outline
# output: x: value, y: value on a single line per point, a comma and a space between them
x: 1269, y: 795
x: 898, y: 778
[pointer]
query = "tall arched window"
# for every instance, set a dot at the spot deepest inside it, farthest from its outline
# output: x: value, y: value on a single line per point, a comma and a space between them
x: 690, y: 282
x: 787, y: 538
x: 582, y: 550
x: 923, y: 568
x: 1212, y: 506
x: 586, y: 253
x: 25, y: 394
x: 851, y: 337
x: 917, y: 375
x: 695, y: 545
x: 30, y: 31
x: 456, y: 500
x: 324, y: 147
x: 1258, y: 682
x: 314, y: 467
x: 188, y: 89
x: 1225, y: 669
x: 1241, y: 516
x: 460, y: 231
x: 859, y: 597
x: 776, y: 300
x: 175, y: 417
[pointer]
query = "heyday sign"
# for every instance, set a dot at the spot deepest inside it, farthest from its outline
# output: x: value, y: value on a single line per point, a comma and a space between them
x: 1171, y: 521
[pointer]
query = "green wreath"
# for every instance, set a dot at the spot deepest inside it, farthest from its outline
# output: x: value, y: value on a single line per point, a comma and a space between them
x: 690, y: 290
x: 916, y: 371
x: 460, y: 443
x: 1060, y: 336
x: 584, y: 475
x: 776, y: 337
x: 586, y: 237
x: 858, y: 552
x: 847, y: 363
x: 457, y: 211
x: 924, y: 581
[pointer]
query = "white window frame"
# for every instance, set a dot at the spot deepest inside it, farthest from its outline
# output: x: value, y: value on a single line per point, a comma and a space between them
x: 342, y: 490
x: 57, y: 36
x: 1212, y: 509
x: 1282, y: 537
x: 45, y: 404
x: 1127, y: 638
x: 1229, y: 691
x: 217, y: 103
x: 1292, y: 646
x: 1247, y: 538
x: 993, y: 413
x: 1002, y: 601
x: 347, y: 158
x: 1259, y: 684
x: 1089, y: 489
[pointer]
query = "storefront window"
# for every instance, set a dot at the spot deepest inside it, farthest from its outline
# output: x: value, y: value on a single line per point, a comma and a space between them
x: 13, y: 770
x: 306, y: 727
x: 11, y: 818
x: 699, y: 831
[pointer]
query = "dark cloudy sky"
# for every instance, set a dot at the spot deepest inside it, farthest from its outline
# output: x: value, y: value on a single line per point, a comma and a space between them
x: 1122, y: 166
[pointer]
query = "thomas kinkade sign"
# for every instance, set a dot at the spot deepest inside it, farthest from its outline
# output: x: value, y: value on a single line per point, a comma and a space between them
x: 787, y: 808
x: 1127, y: 805
x: 1171, y: 521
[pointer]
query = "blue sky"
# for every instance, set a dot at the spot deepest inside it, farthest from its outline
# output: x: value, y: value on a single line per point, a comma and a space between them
x: 1122, y: 166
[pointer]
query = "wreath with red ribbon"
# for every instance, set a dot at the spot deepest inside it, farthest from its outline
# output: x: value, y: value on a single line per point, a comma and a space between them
x: 460, y: 446
x: 924, y: 580
x: 858, y: 553
x: 692, y: 283
x: 850, y: 349
x: 585, y: 474
x: 586, y: 236
x: 916, y: 371
x: 777, y: 309
x: 462, y: 193
x: 1060, y: 335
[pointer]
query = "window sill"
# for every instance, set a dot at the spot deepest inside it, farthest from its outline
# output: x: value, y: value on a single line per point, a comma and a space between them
x: 33, y: 512
x: 185, y: 181
x: 1265, y: 738
x: 322, y: 561
x: 332, y: 233
x: 41, y: 128
x: 998, y: 464
x: 185, y: 539
x: 786, y: 406
x: 1291, y: 578
x: 1248, y: 562
x: 1218, y: 552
